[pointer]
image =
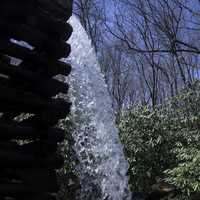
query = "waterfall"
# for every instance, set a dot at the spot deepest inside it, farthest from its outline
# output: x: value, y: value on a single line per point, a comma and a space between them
x: 102, y: 167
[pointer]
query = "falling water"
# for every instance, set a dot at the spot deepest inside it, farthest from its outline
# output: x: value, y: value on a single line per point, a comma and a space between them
x: 102, y: 167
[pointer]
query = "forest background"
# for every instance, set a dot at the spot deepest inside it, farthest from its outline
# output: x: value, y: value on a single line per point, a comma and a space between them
x: 149, y: 54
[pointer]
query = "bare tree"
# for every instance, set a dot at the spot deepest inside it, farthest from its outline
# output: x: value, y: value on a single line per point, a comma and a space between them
x: 117, y: 70
x: 92, y: 15
x: 156, y: 34
x: 148, y: 49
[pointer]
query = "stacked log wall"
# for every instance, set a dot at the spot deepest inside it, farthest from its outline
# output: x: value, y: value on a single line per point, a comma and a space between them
x: 28, y: 147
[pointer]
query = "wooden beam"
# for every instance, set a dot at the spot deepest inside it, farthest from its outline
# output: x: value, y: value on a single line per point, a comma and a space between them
x: 12, y: 8
x: 50, y: 25
x: 44, y: 86
x: 14, y: 189
x: 8, y: 116
x: 42, y: 180
x: 29, y: 170
x: 60, y: 9
x: 36, y: 38
x: 29, y: 133
x: 39, y: 196
x: 18, y: 100
x: 25, y: 54
x: 50, y: 71
x: 12, y: 159
x: 43, y: 147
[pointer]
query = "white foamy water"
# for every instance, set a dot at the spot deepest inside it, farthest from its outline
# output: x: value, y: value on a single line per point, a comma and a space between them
x: 102, y: 167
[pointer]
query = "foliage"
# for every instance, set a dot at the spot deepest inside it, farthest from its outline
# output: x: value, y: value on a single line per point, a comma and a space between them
x: 164, y: 142
x: 69, y: 182
x: 186, y: 175
x: 148, y: 146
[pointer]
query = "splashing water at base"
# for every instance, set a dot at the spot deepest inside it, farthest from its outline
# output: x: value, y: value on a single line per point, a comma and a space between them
x: 102, y: 167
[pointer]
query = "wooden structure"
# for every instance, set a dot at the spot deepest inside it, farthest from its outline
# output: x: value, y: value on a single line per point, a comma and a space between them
x: 28, y: 148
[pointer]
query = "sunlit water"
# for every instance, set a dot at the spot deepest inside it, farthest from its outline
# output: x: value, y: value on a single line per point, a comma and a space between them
x: 102, y: 167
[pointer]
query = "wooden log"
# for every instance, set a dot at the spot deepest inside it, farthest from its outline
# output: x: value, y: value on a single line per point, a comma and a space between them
x: 57, y: 109
x: 12, y: 159
x: 50, y: 25
x: 3, y: 80
x: 35, y: 14
x: 46, y: 113
x: 54, y: 48
x: 46, y: 119
x: 35, y: 36
x: 25, y: 54
x: 18, y: 100
x: 28, y: 89
x: 40, y: 20
x: 44, y: 86
x: 13, y: 9
x: 50, y: 71
x: 61, y: 9
x: 12, y: 99
x: 44, y: 196
x: 65, y: 4
x: 8, y: 116
x: 4, y: 59
x: 29, y: 133
x: 15, y: 189
x: 44, y: 147
x: 42, y: 180
x: 50, y: 47
x: 45, y: 71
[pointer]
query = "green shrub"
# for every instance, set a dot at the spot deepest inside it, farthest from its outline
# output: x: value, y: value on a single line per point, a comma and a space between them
x: 164, y: 142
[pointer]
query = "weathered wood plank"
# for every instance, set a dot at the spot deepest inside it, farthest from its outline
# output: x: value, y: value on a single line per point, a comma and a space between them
x: 8, y: 116
x: 43, y: 147
x: 12, y: 159
x: 50, y: 25
x: 26, y: 54
x: 61, y: 8
x: 42, y: 180
x: 29, y: 133
x: 44, y: 196
x: 15, y: 99
x: 14, y: 189
x: 38, y: 19
x: 45, y: 121
x: 35, y: 82
x: 18, y: 100
x: 22, y: 191
x: 54, y: 48
x: 50, y: 71
x: 12, y: 8
x: 28, y: 88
